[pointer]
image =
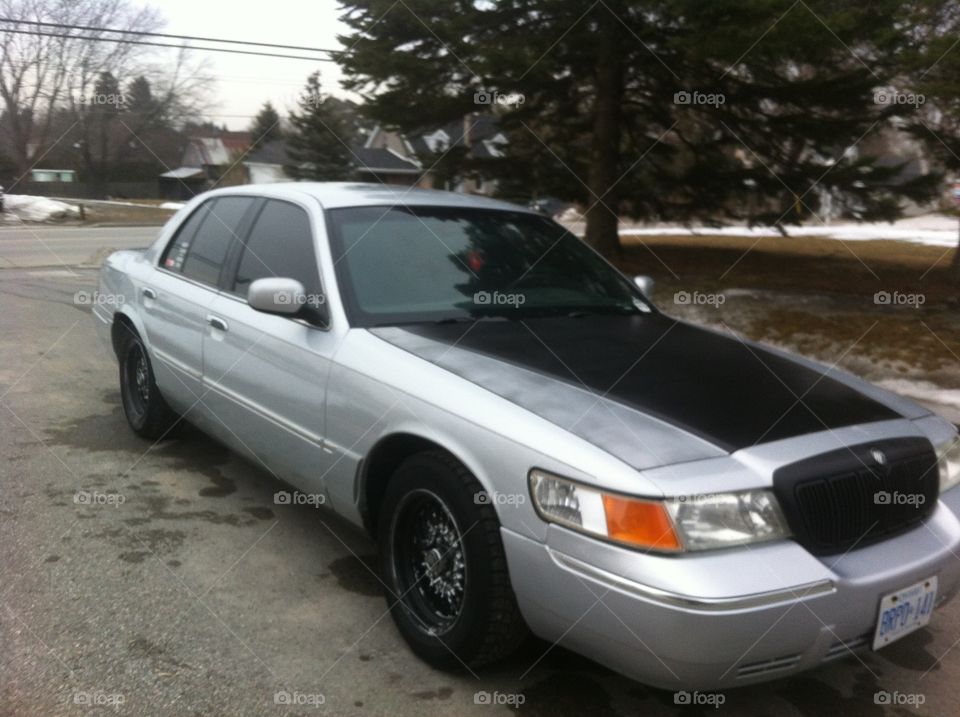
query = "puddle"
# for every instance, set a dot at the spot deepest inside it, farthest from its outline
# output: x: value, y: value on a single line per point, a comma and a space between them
x: 356, y: 576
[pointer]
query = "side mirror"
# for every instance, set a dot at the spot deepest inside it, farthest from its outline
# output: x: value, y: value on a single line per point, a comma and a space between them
x: 645, y: 284
x: 287, y: 297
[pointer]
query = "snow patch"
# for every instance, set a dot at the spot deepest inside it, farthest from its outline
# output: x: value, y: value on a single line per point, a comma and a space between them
x: 922, y: 390
x: 930, y: 229
x: 37, y: 209
x: 173, y: 205
x: 943, y: 401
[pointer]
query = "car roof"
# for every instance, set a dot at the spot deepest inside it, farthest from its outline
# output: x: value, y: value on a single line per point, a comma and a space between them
x: 357, y: 194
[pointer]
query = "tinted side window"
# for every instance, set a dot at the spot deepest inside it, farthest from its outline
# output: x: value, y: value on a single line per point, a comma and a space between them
x: 176, y: 250
x: 209, y: 247
x: 280, y: 244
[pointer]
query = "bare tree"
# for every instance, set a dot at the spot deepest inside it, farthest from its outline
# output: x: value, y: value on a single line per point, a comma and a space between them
x: 53, y: 80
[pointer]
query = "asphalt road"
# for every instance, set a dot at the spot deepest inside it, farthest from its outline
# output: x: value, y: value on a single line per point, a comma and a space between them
x: 26, y: 245
x: 185, y: 590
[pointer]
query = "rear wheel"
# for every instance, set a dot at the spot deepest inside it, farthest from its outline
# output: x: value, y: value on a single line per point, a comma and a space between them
x: 443, y: 562
x: 146, y: 411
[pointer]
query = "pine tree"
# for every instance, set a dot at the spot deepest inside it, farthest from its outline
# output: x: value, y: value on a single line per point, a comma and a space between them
x: 318, y: 144
x: 266, y: 125
x: 658, y: 109
x: 139, y: 97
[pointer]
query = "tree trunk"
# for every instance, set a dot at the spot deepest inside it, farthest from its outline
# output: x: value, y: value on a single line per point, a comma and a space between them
x: 602, y: 202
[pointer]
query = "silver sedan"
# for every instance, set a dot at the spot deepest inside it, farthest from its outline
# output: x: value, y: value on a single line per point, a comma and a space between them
x: 535, y: 447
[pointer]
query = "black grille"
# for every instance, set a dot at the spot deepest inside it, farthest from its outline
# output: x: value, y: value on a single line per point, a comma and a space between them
x: 848, y: 497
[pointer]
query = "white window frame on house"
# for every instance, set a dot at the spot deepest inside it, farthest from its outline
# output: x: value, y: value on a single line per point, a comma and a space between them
x: 439, y: 141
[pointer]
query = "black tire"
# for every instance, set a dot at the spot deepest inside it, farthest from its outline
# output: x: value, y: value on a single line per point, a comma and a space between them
x: 147, y: 413
x: 446, y: 627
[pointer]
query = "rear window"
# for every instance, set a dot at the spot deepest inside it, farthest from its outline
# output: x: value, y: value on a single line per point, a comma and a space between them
x: 200, y: 245
x: 209, y: 245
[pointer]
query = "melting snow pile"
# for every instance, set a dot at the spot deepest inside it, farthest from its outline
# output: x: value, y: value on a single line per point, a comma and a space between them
x: 37, y: 209
x: 930, y: 229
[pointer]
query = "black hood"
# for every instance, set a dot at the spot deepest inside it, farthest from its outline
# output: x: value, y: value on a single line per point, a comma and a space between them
x: 729, y: 393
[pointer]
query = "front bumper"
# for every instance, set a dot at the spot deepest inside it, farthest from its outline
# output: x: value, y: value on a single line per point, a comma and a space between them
x: 718, y: 620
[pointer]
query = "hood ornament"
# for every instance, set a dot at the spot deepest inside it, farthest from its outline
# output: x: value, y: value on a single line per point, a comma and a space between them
x: 879, y: 456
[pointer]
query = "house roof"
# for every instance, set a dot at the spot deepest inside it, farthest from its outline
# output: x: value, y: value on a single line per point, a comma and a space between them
x: 236, y: 141
x: 370, y: 159
x: 222, y: 148
x: 272, y: 152
x: 483, y: 127
x: 365, y: 159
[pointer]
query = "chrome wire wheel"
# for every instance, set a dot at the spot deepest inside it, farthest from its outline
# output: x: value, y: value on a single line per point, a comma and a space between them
x: 429, y: 561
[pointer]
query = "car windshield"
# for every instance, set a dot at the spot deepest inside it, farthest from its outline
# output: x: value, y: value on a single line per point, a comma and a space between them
x: 415, y: 264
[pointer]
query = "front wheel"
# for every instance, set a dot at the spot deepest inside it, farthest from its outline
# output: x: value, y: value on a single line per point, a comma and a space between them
x: 147, y: 413
x: 443, y: 563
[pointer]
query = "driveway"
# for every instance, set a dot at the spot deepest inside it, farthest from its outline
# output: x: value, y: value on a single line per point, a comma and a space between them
x: 166, y: 580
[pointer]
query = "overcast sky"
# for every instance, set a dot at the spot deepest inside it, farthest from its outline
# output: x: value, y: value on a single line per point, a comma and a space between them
x: 243, y: 83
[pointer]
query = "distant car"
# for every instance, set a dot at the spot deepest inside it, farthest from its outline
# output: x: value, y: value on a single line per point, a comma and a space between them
x: 531, y: 442
x: 550, y: 206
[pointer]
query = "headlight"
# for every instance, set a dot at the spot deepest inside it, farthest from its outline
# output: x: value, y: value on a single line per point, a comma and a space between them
x: 673, y: 525
x: 725, y: 519
x: 948, y: 456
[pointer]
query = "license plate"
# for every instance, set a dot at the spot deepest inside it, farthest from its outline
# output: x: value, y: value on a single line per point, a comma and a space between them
x: 904, y: 611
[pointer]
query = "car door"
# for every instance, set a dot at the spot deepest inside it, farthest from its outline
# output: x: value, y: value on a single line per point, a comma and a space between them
x: 176, y: 296
x: 267, y: 373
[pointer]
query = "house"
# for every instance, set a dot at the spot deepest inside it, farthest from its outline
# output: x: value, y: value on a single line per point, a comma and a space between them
x: 391, y: 157
x: 387, y: 166
x: 478, y: 135
x: 265, y: 165
x: 206, y: 160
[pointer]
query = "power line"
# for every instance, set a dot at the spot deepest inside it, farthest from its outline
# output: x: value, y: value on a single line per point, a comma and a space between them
x: 160, y: 44
x: 143, y: 33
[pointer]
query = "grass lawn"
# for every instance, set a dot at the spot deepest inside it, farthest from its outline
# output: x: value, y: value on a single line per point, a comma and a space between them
x: 813, y: 264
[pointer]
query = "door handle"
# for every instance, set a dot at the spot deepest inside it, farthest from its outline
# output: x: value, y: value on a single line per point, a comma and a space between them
x: 149, y: 293
x: 216, y: 322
